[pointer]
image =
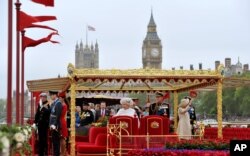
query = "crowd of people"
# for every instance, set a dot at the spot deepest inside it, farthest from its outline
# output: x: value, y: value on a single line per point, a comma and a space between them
x: 54, y: 117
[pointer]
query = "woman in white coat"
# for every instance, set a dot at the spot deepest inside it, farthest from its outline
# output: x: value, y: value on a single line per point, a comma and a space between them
x: 126, y: 109
x: 184, y: 127
x: 126, y: 104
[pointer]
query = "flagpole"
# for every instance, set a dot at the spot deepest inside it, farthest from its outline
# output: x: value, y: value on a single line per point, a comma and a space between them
x: 9, y: 68
x: 86, y: 34
x: 18, y: 4
x: 22, y: 80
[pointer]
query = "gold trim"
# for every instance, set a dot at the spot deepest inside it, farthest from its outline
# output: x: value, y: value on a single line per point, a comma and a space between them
x: 154, y: 125
x: 154, y: 118
x: 72, y: 115
x: 219, y: 108
x: 175, y: 111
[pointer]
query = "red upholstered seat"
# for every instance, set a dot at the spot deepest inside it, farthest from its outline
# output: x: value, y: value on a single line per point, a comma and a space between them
x: 97, y: 142
x: 154, y: 125
x: 82, y: 138
x: 128, y: 122
x: 129, y: 127
x: 99, y: 145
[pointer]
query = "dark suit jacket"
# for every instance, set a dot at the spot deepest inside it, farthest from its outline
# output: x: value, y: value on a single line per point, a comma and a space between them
x: 87, y: 117
x: 42, y: 116
x: 98, y: 113
x: 192, y: 114
x: 156, y: 109
x: 56, y: 110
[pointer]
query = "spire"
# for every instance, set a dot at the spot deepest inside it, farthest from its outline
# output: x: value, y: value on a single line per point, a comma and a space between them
x: 238, y: 59
x: 92, y: 47
x: 152, y: 21
x: 152, y: 32
x: 81, y: 45
x: 96, y: 44
x: 77, y: 46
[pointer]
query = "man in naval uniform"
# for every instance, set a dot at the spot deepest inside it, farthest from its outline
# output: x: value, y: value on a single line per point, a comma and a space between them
x: 159, y: 107
x: 42, y: 123
x: 192, y: 114
x: 87, y: 116
x: 56, y: 110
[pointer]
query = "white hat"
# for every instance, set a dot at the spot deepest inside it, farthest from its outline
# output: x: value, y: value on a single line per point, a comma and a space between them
x: 184, y: 103
x: 128, y: 101
x: 43, y: 95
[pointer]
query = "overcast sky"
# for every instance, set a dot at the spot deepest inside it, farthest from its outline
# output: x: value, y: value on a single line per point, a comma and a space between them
x: 191, y: 31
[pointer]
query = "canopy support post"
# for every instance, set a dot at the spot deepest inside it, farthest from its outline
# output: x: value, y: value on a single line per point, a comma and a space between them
x: 72, y: 115
x: 219, y: 108
x: 175, y: 111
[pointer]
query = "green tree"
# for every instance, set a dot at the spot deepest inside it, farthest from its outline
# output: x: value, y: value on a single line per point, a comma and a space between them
x: 2, y: 109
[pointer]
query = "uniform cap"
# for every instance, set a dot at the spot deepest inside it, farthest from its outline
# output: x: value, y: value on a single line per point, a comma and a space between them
x: 53, y: 92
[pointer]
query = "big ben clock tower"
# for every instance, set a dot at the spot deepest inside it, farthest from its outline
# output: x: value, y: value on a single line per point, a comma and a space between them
x: 152, y: 48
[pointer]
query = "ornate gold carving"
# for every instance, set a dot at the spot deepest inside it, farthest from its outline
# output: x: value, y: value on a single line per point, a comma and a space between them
x: 71, y: 71
x: 202, y: 129
x: 140, y: 72
x: 115, y: 130
x: 72, y: 116
x: 124, y: 124
x: 154, y: 125
x: 220, y: 70
x: 219, y: 108
x: 175, y: 110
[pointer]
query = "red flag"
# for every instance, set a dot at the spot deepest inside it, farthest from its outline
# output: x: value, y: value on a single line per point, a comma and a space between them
x: 166, y: 96
x: 27, y: 20
x: 193, y: 93
x: 28, y: 42
x: 41, y: 26
x: 90, y: 28
x: 44, y: 2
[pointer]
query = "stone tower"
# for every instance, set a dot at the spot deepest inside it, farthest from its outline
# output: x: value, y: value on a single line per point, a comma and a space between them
x: 152, y: 48
x: 87, y: 57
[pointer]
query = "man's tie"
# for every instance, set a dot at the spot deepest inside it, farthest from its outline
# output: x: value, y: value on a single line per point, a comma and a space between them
x: 103, y: 113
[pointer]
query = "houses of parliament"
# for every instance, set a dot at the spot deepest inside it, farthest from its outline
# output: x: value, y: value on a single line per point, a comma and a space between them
x: 87, y: 56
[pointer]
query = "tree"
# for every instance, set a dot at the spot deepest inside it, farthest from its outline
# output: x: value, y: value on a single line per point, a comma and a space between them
x: 2, y: 109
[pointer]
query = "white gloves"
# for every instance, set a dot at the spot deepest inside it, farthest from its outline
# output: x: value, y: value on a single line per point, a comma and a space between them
x: 53, y: 127
x: 34, y: 126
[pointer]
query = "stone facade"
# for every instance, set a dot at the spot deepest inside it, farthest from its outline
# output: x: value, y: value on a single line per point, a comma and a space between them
x: 87, y: 56
x: 152, y: 47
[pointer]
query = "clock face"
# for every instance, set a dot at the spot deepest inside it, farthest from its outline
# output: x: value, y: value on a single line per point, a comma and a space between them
x: 155, y: 52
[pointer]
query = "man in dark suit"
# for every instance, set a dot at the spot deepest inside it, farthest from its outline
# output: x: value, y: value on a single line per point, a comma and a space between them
x: 137, y: 108
x: 192, y: 114
x: 86, y: 116
x: 56, y: 110
x: 103, y: 111
x: 42, y: 123
x: 159, y: 107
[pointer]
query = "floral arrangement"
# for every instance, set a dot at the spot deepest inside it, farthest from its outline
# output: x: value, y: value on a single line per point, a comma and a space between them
x: 164, y: 152
x: 101, y: 122
x: 15, y: 139
x: 199, y: 144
